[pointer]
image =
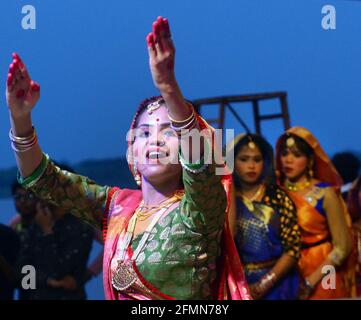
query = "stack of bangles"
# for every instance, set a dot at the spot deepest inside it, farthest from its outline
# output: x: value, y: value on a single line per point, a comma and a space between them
x: 186, y: 125
x: 267, y: 281
x: 23, y: 144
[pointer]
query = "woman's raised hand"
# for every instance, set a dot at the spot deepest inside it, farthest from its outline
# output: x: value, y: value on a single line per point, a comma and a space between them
x: 22, y: 93
x: 161, y: 55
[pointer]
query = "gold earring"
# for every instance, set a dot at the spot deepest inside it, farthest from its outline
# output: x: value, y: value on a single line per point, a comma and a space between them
x: 138, y: 179
x: 310, y: 173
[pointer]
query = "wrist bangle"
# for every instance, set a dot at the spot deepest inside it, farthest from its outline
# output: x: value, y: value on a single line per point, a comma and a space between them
x: 180, y: 122
x: 308, y: 284
x: 23, y: 144
x: 267, y: 281
x: 186, y: 128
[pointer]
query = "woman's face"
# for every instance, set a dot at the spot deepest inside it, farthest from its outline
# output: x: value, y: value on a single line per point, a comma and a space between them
x: 155, y: 147
x: 249, y: 164
x: 294, y: 163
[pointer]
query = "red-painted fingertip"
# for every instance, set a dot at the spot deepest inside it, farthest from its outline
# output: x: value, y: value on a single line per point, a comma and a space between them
x: 166, y: 26
x: 34, y: 86
x: 160, y: 19
x: 155, y: 26
x: 20, y: 93
x: 11, y: 68
x: 16, y: 57
x: 150, y: 38
x: 21, y: 64
x: 16, y: 63
x: 10, y: 79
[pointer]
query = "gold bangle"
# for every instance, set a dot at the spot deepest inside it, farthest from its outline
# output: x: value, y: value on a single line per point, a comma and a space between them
x: 22, y: 139
x: 182, y: 121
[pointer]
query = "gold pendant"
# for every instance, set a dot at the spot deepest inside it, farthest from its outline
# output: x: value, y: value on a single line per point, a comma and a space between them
x: 124, y: 276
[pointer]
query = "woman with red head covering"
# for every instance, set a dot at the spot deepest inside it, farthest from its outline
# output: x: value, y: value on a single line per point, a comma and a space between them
x: 313, y: 183
x: 163, y: 241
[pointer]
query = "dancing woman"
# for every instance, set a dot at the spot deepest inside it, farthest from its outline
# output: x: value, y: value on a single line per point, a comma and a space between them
x: 164, y: 240
x: 264, y: 222
x: 354, y: 207
x: 312, y: 182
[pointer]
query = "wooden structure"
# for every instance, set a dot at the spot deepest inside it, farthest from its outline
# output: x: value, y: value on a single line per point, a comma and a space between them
x: 225, y: 103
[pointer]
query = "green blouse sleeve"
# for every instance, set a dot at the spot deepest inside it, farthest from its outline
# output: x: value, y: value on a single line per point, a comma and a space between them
x: 205, y: 201
x: 74, y: 193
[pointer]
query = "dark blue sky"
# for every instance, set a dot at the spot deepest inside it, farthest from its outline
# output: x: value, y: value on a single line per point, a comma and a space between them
x: 91, y: 60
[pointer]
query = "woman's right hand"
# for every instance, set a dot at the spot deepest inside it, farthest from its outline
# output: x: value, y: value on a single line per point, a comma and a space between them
x: 22, y: 93
x: 161, y: 55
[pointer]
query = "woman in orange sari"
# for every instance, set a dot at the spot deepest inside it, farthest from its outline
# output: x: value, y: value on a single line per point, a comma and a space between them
x: 354, y: 207
x: 313, y: 183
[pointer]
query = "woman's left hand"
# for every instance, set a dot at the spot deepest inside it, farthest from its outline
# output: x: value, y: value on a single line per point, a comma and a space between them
x: 256, y: 291
x: 161, y: 55
x: 67, y: 283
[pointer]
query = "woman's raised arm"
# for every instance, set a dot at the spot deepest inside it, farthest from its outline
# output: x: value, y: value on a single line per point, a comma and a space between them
x: 74, y: 193
x: 22, y: 94
x: 161, y: 61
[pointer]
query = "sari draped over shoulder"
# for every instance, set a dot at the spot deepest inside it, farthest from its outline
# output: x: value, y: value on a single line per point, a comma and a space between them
x: 265, y: 229
x: 230, y: 282
x: 230, y: 285
x: 315, y: 232
x: 190, y: 253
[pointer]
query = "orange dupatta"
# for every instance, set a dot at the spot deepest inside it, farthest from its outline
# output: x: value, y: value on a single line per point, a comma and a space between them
x: 314, y: 226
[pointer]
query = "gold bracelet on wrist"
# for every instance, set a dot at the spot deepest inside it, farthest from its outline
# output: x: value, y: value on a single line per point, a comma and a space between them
x: 182, y: 121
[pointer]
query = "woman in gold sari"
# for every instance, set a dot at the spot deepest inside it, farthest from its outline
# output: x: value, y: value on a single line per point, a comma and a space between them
x: 313, y: 183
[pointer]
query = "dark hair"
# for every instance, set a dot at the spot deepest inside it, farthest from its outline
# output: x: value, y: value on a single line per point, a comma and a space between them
x: 142, y: 106
x: 15, y: 186
x: 268, y: 172
x: 347, y: 164
x: 353, y: 203
x: 301, y: 145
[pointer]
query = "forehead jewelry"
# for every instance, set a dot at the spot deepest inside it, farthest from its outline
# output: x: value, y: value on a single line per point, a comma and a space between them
x: 251, y: 144
x: 290, y: 142
x: 154, y: 106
